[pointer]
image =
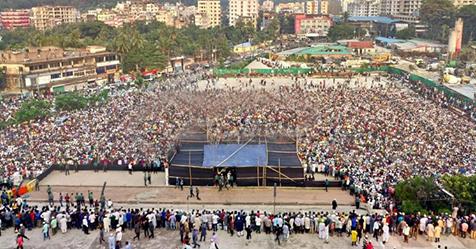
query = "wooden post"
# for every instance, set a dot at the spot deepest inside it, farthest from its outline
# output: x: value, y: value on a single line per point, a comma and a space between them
x: 264, y: 176
x: 190, y: 168
x: 279, y: 168
x: 257, y: 175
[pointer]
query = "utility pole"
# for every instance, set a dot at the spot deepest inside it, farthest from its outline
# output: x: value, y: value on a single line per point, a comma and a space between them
x: 274, y: 197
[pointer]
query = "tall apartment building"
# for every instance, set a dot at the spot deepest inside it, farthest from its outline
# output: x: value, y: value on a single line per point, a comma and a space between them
x: 317, y: 7
x: 208, y: 13
x: 11, y: 19
x: 389, y: 7
x: 409, y: 10
x: 364, y: 8
x: 244, y: 10
x: 46, y: 17
x: 57, y: 69
x: 461, y: 3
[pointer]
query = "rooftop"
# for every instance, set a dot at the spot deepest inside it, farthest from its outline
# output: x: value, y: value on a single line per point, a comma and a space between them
x: 376, y: 19
x: 388, y: 40
x: 31, y: 55
x: 360, y: 44
x: 325, y: 50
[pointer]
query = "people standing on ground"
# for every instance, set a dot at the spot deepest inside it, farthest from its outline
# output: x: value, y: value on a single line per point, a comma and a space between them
x: 190, y: 195
x: 85, y: 225
x: 111, y: 241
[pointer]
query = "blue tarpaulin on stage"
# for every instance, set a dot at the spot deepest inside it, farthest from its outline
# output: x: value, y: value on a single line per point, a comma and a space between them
x: 235, y: 155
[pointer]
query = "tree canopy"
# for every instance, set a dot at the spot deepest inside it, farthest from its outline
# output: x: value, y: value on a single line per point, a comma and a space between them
x: 468, y: 13
x: 439, y: 15
x: 32, y: 109
x: 341, y: 31
x: 406, y: 33
x: 142, y: 45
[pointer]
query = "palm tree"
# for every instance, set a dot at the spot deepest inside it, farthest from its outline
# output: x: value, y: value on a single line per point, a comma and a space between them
x: 136, y: 39
x: 122, y: 43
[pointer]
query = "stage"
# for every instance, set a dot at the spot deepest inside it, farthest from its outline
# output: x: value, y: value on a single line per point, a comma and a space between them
x: 256, y: 161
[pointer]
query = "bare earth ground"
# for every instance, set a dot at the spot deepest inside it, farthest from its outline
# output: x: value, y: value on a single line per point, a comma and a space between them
x: 284, y: 81
x: 129, y: 189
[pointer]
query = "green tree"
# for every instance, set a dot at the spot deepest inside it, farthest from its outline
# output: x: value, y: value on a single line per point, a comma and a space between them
x: 32, y: 109
x: 70, y: 101
x: 406, y: 33
x: 468, y: 54
x: 2, y: 79
x: 435, y: 14
x: 148, y: 57
x: 286, y: 23
x: 340, y: 31
x: 463, y: 188
x: 468, y: 13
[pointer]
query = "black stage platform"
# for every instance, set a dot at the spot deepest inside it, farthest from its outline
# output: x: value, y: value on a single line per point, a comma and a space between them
x: 281, y: 166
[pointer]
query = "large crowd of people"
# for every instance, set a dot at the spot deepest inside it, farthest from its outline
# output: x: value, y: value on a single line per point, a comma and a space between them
x: 370, y: 135
x: 197, y: 227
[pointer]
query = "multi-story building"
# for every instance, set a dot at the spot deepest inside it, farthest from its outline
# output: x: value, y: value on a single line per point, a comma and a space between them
x: 243, y: 10
x: 152, y: 8
x: 11, y: 19
x: 267, y: 6
x: 409, y: 10
x: 297, y: 7
x: 312, y: 25
x: 208, y: 13
x: 46, y: 17
x: 364, y: 8
x: 389, y: 7
x: 345, y: 5
x: 56, y: 69
x: 317, y: 7
x: 461, y: 3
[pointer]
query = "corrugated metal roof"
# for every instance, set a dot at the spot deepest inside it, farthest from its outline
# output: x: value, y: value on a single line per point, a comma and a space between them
x: 325, y: 50
x: 377, y: 19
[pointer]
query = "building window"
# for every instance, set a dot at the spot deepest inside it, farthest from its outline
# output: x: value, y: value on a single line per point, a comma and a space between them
x: 55, y: 76
x: 100, y: 70
x: 67, y: 74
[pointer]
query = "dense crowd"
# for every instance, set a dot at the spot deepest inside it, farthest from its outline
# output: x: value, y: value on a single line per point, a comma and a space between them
x: 200, y: 226
x: 370, y: 136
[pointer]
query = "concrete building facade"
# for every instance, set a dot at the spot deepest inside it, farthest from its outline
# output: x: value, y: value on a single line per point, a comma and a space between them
x: 11, y: 19
x: 312, y: 25
x: 56, y: 69
x: 208, y: 13
x: 364, y: 8
x: 244, y: 10
x: 46, y: 17
x: 317, y: 7
x: 461, y: 3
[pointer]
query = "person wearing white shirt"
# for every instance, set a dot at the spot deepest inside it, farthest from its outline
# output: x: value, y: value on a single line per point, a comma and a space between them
x: 119, y: 236
x: 85, y: 225
x: 258, y: 224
